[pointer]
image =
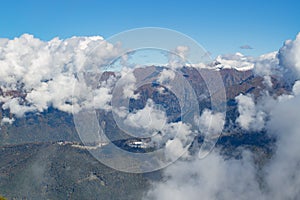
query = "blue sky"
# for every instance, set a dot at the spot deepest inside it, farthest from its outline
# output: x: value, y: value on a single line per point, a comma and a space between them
x: 219, y: 26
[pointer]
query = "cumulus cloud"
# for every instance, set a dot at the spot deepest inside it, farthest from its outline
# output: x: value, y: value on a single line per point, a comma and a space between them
x: 250, y: 118
x: 46, y: 71
x: 296, y: 88
x: 7, y: 120
x: 209, y: 123
x: 267, y: 65
x: 284, y: 63
x: 289, y: 56
x: 16, y: 108
x: 268, y: 81
x: 128, y: 81
x: 182, y: 51
x: 150, y: 118
x: 178, y: 136
x: 166, y: 75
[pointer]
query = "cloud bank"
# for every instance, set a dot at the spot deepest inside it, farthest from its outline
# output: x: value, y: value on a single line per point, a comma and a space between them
x: 45, y: 72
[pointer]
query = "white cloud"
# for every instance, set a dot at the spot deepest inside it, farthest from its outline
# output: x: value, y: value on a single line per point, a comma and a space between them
x: 267, y: 64
x: 16, y: 108
x: 152, y: 121
x: 285, y: 63
x: 289, y: 56
x: 177, y: 137
x: 283, y: 174
x: 175, y: 149
x: 149, y: 118
x: 7, y: 120
x: 127, y: 82
x: 46, y: 70
x: 268, y: 81
x: 182, y: 51
x: 209, y: 123
x: 166, y: 75
x: 296, y: 88
x: 209, y: 178
x: 250, y: 118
